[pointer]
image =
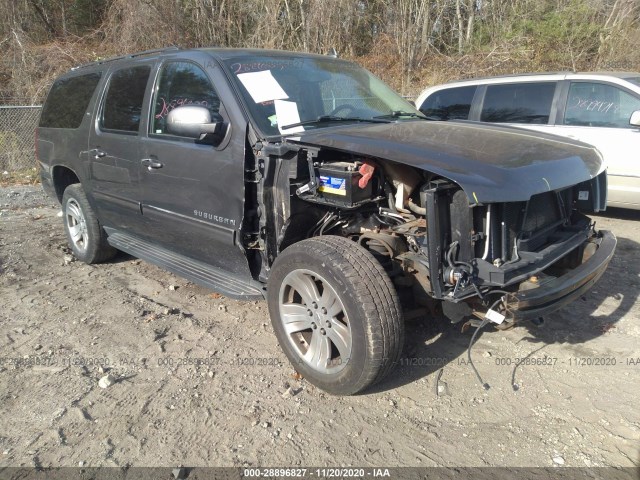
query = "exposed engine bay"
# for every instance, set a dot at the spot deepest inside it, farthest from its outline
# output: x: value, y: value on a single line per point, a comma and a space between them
x: 437, y: 244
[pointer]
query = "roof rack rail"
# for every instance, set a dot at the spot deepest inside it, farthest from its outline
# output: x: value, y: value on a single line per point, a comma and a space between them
x: 172, y: 48
x: 510, y: 75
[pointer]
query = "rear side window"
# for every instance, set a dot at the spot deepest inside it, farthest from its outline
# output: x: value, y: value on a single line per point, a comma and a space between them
x: 518, y: 103
x: 599, y: 105
x: 68, y: 101
x: 449, y: 104
x: 123, y: 103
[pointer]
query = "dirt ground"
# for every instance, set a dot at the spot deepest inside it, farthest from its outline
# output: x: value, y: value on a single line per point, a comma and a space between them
x: 201, y: 381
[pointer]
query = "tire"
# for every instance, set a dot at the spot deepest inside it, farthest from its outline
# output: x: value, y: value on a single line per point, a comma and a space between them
x: 87, y: 239
x: 335, y: 313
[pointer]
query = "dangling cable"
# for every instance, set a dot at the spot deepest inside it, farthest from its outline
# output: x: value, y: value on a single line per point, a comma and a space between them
x: 484, y: 323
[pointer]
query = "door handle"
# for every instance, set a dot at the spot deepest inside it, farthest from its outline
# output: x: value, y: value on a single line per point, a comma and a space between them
x: 99, y: 153
x: 151, y: 164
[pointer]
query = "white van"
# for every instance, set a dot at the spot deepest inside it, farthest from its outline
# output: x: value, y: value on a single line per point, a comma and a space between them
x: 602, y: 109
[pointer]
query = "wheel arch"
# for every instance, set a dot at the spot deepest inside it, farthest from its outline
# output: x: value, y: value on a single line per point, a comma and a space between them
x: 62, y: 177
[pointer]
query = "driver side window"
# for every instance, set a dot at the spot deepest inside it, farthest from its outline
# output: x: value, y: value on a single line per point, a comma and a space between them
x: 181, y: 83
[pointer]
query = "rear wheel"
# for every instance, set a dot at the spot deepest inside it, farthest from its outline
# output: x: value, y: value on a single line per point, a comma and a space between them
x: 336, y: 314
x: 86, y: 237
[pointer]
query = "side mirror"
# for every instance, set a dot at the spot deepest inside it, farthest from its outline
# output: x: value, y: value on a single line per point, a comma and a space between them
x: 196, y: 122
x: 635, y: 119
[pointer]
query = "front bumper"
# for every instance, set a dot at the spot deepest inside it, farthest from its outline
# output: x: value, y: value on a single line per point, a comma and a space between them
x: 563, y: 290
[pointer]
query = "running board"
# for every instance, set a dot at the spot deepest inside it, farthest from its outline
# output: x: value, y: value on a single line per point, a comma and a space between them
x: 193, y: 270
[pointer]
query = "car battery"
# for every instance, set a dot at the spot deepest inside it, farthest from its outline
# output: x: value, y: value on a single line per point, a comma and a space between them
x: 338, y: 185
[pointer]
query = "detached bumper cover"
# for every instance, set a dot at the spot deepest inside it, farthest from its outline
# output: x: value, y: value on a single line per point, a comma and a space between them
x: 563, y: 290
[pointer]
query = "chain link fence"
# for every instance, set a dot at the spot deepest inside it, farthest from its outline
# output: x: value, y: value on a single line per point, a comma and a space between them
x: 17, y: 137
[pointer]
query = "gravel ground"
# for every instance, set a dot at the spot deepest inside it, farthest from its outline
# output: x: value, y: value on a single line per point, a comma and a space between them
x: 198, y: 379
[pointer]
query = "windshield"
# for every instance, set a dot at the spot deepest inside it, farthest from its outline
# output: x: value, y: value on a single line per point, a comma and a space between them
x: 318, y: 92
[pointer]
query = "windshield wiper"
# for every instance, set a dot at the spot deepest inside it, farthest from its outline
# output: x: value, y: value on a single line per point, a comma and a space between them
x: 400, y: 113
x: 333, y: 118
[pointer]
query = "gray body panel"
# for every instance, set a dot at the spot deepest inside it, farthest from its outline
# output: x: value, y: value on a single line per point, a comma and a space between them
x: 194, y: 204
x: 491, y: 163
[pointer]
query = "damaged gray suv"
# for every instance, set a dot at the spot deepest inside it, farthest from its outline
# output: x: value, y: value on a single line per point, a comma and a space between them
x: 305, y: 180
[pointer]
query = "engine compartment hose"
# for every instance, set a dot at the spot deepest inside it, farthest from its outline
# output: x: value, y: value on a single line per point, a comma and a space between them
x: 416, y: 209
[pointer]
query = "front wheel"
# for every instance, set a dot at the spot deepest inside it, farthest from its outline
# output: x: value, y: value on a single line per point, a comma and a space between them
x: 335, y: 313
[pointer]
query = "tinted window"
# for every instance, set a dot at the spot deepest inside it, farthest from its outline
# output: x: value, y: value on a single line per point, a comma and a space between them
x: 599, y: 105
x: 518, y: 103
x: 68, y: 101
x: 182, y: 83
x: 449, y: 104
x: 123, y: 103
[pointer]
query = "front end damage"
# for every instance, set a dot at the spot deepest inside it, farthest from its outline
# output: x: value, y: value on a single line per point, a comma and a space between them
x: 506, y: 260
x: 533, y: 256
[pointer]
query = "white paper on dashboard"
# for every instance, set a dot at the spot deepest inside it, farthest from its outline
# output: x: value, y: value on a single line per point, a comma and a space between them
x: 287, y: 113
x: 262, y: 86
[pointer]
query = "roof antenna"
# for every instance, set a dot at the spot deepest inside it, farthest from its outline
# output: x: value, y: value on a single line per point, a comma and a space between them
x: 332, y: 53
